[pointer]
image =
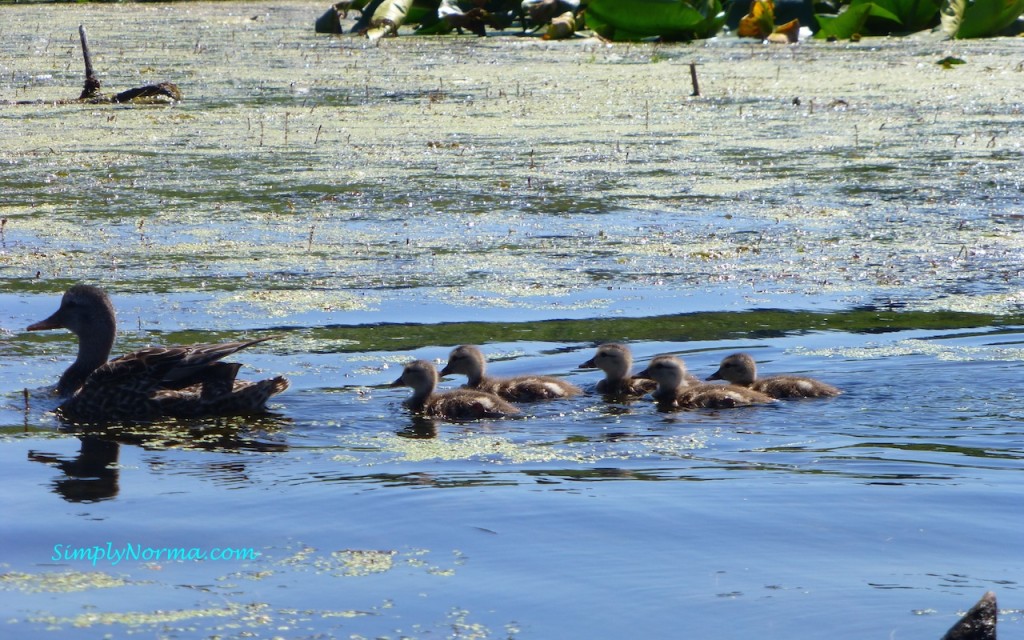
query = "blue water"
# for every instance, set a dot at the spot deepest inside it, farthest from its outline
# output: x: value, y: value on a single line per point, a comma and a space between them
x: 375, y: 204
x: 880, y: 513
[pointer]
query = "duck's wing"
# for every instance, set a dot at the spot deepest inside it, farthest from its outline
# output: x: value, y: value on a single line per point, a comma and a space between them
x: 240, y: 398
x: 468, y: 404
x: 794, y: 387
x: 533, y: 388
x: 139, y: 384
x: 171, y: 367
x: 715, y: 396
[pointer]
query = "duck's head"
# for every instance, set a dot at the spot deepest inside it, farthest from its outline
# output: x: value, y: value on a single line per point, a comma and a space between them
x: 84, y: 310
x: 667, y: 370
x: 739, y: 368
x: 467, y: 360
x: 612, y: 358
x: 419, y: 375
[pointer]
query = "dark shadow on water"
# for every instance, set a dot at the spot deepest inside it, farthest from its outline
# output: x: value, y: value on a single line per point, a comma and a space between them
x: 92, y: 474
x: 419, y: 428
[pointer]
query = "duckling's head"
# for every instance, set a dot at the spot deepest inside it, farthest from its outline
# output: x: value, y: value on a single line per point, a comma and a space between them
x: 667, y: 370
x: 467, y: 360
x: 612, y: 358
x: 419, y: 375
x: 739, y: 368
x: 84, y: 311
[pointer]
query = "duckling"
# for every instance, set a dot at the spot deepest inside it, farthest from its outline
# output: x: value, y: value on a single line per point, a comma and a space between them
x: 740, y: 369
x: 469, y: 361
x: 182, y: 381
x: 459, y: 404
x: 675, y: 392
x: 616, y: 361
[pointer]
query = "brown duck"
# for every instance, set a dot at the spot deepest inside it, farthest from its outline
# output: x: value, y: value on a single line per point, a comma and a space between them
x: 469, y: 361
x: 458, y: 404
x: 616, y: 361
x: 156, y: 382
x: 740, y: 369
x: 676, y: 392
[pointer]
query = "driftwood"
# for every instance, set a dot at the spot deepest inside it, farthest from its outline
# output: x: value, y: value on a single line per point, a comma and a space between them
x: 977, y: 624
x: 160, y: 93
x: 92, y: 83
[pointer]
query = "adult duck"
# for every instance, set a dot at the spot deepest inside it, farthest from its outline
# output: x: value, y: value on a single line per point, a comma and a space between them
x: 155, y: 382
x: 616, y: 360
x: 740, y: 369
x: 457, y: 404
x: 676, y: 392
x: 469, y: 361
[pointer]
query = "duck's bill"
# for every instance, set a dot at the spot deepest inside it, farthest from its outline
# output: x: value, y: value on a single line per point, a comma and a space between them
x: 50, y: 323
x: 397, y: 383
x: 589, y: 364
x: 714, y: 376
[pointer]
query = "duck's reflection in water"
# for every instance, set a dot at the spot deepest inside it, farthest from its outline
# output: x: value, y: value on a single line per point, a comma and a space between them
x: 90, y: 476
x: 93, y: 473
x: 419, y: 428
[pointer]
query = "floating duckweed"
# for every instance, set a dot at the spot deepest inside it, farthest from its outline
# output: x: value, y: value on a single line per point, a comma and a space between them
x: 280, y: 302
x: 462, y: 628
x: 995, y: 303
x: 678, y: 445
x: 345, y: 614
x: 357, y: 562
x: 493, y: 448
x: 138, y: 619
x: 936, y: 349
x: 63, y: 582
x: 300, y: 557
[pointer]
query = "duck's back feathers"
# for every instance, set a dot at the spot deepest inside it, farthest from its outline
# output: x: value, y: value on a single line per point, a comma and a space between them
x: 185, y: 381
x: 466, y: 404
x: 741, y: 369
x: 630, y: 387
x: 713, y: 396
x: 794, y: 387
x: 244, y: 397
x: 528, y: 388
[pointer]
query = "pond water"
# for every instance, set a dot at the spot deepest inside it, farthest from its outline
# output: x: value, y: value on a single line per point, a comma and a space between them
x: 847, y: 211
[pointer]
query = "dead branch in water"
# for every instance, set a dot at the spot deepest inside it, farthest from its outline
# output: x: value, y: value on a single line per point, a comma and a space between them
x: 92, y: 83
x: 161, y: 92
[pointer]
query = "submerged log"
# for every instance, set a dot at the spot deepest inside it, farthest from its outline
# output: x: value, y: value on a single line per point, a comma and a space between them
x: 977, y: 624
x: 162, y: 92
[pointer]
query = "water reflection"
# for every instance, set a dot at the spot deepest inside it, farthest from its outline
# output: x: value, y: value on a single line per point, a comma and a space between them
x: 419, y: 428
x: 90, y: 476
